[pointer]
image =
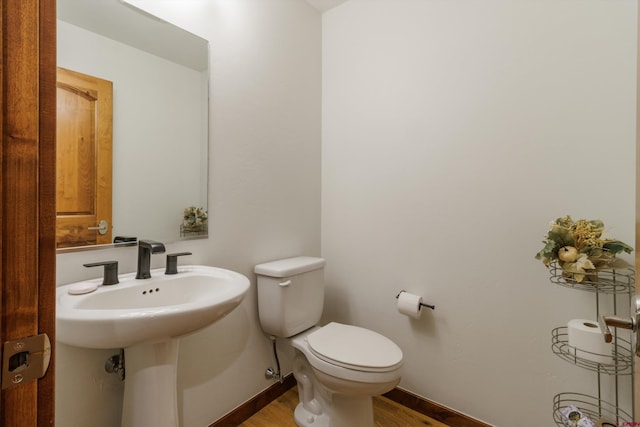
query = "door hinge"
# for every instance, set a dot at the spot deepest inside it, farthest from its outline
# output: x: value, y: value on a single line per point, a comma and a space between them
x: 25, y: 359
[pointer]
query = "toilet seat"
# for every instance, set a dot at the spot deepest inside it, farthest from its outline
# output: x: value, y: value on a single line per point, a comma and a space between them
x: 325, y: 366
x: 355, y: 348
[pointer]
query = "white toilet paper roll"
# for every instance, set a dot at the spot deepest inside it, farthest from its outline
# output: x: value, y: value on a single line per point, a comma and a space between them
x: 409, y: 304
x: 585, y: 336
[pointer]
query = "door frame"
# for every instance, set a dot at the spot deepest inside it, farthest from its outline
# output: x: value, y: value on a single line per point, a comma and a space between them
x: 27, y: 196
x: 637, y: 245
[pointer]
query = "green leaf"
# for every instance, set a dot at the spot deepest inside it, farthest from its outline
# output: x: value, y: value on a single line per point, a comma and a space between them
x: 616, y: 246
x: 547, y: 253
x: 561, y: 235
x: 565, y: 221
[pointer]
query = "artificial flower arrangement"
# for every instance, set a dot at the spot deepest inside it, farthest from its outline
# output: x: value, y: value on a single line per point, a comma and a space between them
x: 578, y: 247
x: 194, y: 218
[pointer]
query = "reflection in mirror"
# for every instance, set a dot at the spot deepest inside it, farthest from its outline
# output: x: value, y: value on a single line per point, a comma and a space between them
x: 159, y: 74
x: 83, y: 159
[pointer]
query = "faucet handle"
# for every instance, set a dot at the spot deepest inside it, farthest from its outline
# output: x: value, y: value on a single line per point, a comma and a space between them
x: 110, y: 271
x: 172, y: 262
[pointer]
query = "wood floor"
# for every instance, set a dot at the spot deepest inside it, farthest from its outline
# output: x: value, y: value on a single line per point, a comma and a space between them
x: 386, y: 413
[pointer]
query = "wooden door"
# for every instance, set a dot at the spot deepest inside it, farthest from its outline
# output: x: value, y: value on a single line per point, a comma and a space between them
x: 84, y: 159
x: 27, y: 196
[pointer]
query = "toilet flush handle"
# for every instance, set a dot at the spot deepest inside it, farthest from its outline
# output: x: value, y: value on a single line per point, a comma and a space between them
x: 285, y: 283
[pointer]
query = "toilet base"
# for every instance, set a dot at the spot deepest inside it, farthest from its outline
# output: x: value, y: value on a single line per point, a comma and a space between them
x: 305, y: 418
x: 343, y: 412
x: 320, y: 407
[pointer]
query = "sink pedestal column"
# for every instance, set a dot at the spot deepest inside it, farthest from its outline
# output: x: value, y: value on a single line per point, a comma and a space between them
x: 150, y: 387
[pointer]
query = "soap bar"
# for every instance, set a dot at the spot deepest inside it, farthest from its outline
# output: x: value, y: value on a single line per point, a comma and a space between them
x: 82, y: 288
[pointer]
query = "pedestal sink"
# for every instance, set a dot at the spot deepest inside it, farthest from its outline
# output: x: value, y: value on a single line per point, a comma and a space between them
x: 145, y: 317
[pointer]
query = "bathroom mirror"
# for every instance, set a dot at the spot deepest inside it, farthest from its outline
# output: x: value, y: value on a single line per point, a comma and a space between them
x: 160, y: 76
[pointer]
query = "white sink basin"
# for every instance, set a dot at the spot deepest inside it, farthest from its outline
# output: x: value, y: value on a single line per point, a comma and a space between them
x: 136, y: 311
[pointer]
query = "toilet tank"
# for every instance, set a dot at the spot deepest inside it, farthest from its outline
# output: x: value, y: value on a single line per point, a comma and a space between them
x: 290, y: 294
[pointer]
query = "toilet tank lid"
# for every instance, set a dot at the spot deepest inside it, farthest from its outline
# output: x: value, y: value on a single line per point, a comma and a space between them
x: 289, y: 267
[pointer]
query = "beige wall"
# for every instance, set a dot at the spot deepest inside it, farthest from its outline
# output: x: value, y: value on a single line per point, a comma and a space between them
x: 453, y: 132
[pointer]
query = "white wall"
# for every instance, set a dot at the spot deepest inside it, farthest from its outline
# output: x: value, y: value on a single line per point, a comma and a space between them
x: 264, y: 192
x: 453, y: 132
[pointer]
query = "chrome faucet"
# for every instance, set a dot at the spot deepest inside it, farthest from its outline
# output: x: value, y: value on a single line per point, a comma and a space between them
x: 145, y: 249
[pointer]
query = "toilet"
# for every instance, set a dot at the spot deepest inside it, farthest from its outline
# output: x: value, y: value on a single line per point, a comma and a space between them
x: 338, y: 367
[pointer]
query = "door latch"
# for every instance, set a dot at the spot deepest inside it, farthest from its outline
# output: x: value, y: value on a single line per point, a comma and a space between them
x: 25, y: 359
x: 632, y: 323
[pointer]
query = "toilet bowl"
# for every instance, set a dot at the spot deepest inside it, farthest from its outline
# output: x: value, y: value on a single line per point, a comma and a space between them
x: 338, y: 372
x: 338, y: 367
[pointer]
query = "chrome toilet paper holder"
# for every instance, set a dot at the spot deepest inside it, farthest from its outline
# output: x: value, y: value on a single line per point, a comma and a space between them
x: 432, y: 307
